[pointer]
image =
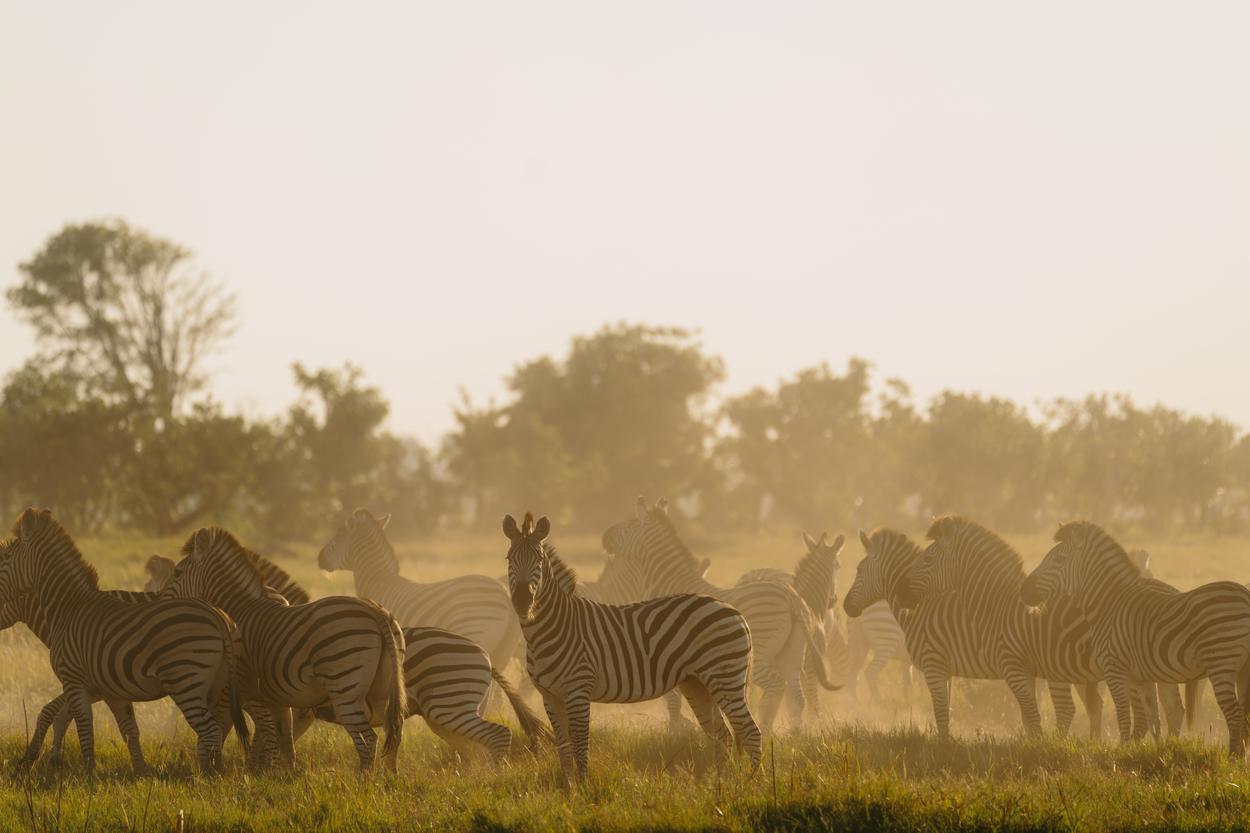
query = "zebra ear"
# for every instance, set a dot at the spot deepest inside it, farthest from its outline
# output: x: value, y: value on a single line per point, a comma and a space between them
x: 838, y: 544
x: 27, y: 525
x: 384, y: 520
x: 662, y: 505
x: 863, y: 539
x: 809, y: 542
x: 640, y: 507
x: 542, y: 529
x: 704, y: 564
x: 510, y: 528
x: 200, y: 542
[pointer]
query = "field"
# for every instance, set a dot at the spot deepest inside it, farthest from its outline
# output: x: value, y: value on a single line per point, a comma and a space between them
x: 859, y: 768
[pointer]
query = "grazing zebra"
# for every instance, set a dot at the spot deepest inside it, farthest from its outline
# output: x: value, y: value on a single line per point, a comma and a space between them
x: 784, y: 633
x: 581, y: 651
x: 1142, y: 635
x: 815, y: 580
x: 160, y: 571
x: 119, y: 651
x: 472, y: 606
x: 339, y: 649
x: 980, y: 628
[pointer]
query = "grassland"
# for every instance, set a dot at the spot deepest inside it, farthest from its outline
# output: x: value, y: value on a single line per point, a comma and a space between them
x: 858, y: 768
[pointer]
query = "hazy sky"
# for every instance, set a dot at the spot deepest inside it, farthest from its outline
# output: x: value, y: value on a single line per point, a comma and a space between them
x: 1023, y: 199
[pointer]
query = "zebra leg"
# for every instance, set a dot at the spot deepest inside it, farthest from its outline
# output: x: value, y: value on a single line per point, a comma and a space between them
x: 201, y: 717
x: 672, y: 701
x: 811, y: 696
x: 557, y: 714
x: 467, y: 732
x: 1121, y: 695
x: 301, y: 720
x: 873, y: 672
x: 706, y: 713
x: 1145, y: 709
x: 796, y: 699
x: 730, y: 696
x: 1224, y: 683
x: 939, y: 692
x: 774, y: 687
x: 1021, y: 684
x: 1173, y: 708
x: 55, y: 713
x: 350, y: 714
x: 124, y: 713
x: 1064, y: 706
x: 80, y: 707
x: 578, y: 708
x: 1093, y: 708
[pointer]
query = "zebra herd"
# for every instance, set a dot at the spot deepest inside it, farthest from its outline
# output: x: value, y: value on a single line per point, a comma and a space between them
x: 227, y: 635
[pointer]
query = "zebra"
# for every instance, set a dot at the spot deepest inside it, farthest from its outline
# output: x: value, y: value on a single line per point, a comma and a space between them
x: 339, y: 649
x: 1178, y: 714
x: 472, y: 606
x: 581, y: 651
x: 446, y: 677
x: 121, y: 651
x: 815, y: 580
x: 160, y: 571
x: 876, y: 631
x: 980, y: 628
x: 1141, y: 634
x: 785, y: 634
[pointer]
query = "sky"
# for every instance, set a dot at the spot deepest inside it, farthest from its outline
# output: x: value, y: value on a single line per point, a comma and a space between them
x: 1026, y: 200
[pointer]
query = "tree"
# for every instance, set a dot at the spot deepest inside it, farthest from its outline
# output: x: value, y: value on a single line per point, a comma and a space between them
x: 124, y: 310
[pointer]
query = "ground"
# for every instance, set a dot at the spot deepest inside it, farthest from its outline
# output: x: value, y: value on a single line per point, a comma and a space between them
x: 858, y: 767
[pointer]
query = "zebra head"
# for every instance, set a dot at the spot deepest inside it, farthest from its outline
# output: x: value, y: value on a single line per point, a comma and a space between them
x: 816, y: 574
x: 160, y: 572
x: 38, y: 540
x: 625, y: 537
x: 527, y: 561
x: 888, y: 556
x: 340, y: 551
x: 1084, y: 562
x: 935, y: 571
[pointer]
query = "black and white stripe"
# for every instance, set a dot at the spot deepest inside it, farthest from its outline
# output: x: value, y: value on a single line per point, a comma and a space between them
x: 341, y: 650
x: 1141, y: 634
x: 579, y: 651
x: 120, y: 651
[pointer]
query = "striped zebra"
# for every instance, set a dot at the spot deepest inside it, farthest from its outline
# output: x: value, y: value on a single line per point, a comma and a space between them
x: 121, y: 651
x: 342, y: 650
x: 815, y: 580
x: 581, y: 651
x: 446, y: 677
x: 980, y: 628
x: 472, y: 606
x: 1143, y: 635
x: 785, y: 634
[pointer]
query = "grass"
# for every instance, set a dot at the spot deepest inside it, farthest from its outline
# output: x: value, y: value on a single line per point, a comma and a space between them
x: 862, y: 768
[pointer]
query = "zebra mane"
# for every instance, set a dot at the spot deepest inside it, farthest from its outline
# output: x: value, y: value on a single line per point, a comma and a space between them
x: 62, y: 545
x: 224, y: 541
x: 983, y: 553
x: 892, y: 539
x: 564, y: 576
x: 1078, y: 532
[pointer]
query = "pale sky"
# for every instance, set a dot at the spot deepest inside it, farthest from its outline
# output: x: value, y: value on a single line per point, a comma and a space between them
x: 1029, y: 200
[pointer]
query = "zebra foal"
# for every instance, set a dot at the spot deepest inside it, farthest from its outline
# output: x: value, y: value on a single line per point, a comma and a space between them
x: 579, y: 651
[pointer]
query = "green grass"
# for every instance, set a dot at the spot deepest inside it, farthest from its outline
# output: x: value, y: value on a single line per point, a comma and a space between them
x: 861, y: 769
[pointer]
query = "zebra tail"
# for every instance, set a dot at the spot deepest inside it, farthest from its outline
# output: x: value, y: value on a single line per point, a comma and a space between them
x: 397, y: 708
x: 233, y: 680
x: 1193, y: 688
x: 530, y: 722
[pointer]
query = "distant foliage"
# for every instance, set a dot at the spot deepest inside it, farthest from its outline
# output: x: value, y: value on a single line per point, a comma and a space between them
x: 112, y: 424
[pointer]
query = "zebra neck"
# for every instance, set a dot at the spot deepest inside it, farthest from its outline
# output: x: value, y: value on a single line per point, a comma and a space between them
x: 60, y: 599
x: 376, y: 571
x: 551, y: 604
x: 29, y: 611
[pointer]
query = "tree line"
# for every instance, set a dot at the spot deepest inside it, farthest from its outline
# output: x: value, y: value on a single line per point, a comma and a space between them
x: 113, y: 424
